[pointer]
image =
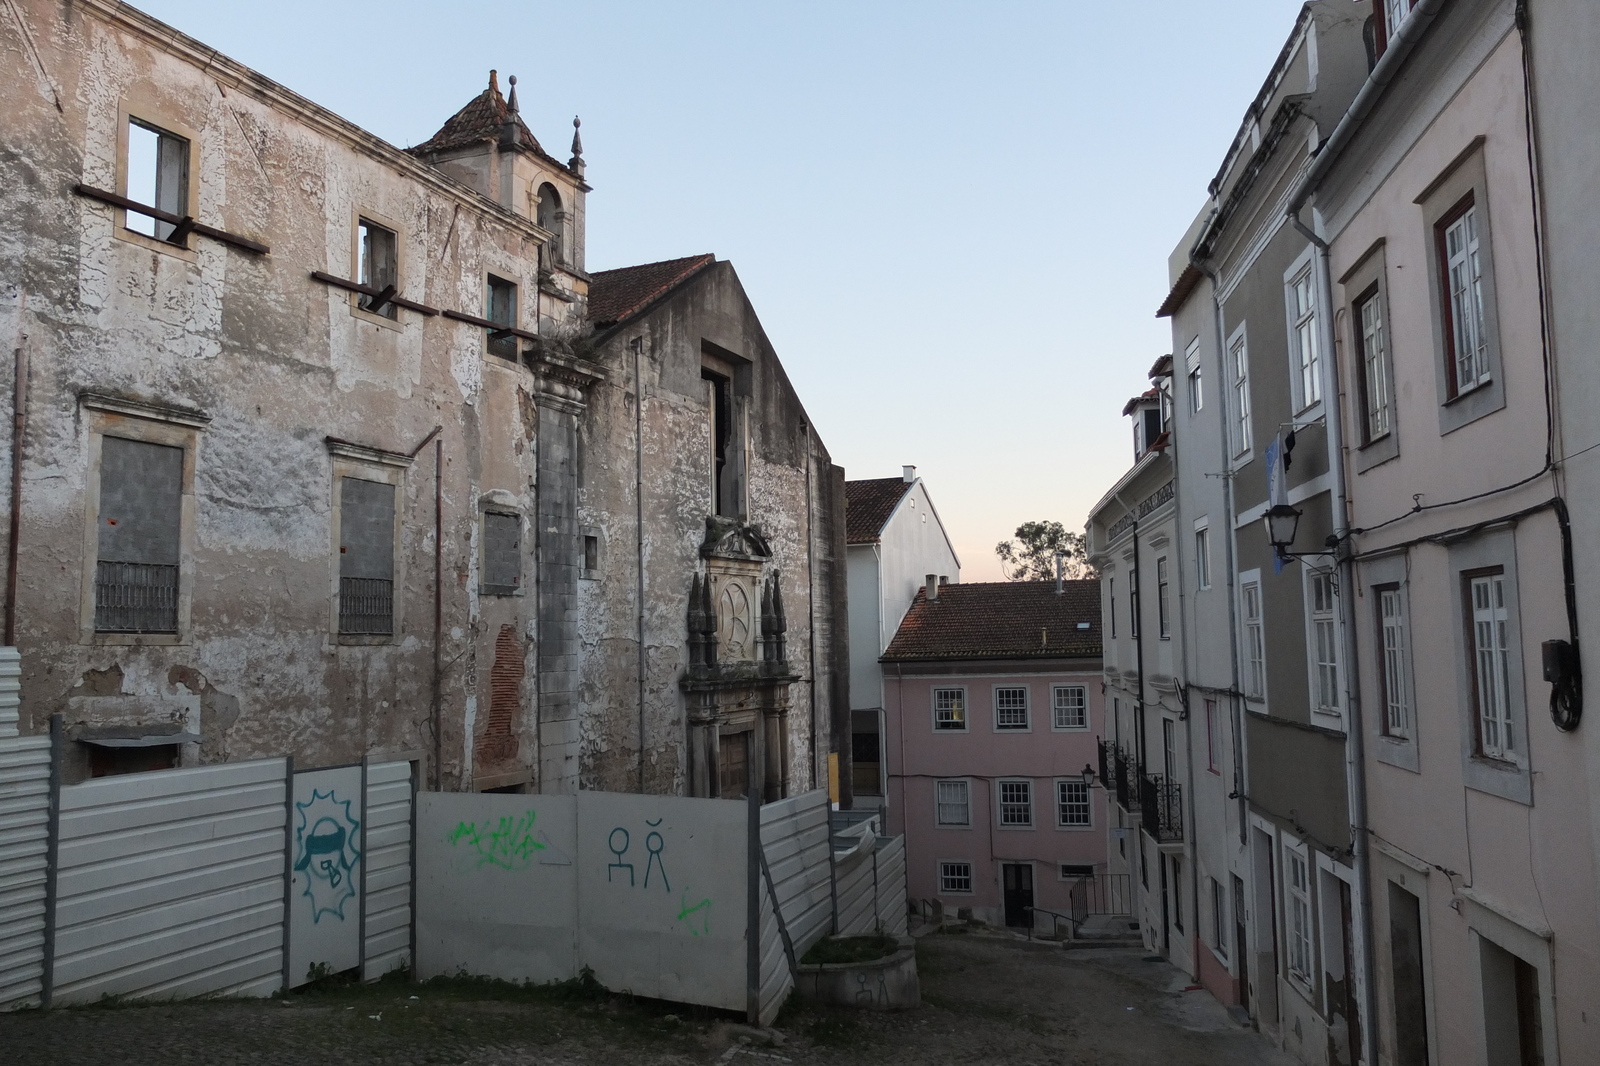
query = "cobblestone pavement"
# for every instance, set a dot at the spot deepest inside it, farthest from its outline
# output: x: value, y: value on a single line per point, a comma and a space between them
x: 987, y: 999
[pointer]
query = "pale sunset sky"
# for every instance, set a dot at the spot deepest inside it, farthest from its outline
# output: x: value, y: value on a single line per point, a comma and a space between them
x: 953, y: 218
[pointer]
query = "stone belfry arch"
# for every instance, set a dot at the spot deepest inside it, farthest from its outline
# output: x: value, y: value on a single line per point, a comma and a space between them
x: 737, y: 686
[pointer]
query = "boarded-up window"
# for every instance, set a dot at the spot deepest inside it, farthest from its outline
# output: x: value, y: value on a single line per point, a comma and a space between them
x: 502, y: 300
x: 366, y: 557
x: 502, y: 553
x: 141, y: 506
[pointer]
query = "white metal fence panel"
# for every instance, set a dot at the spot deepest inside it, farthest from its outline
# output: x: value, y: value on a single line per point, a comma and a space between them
x: 24, y: 840
x: 794, y: 837
x: 892, y: 916
x: 853, y: 873
x: 171, y: 884
x: 325, y: 894
x: 775, y: 977
x: 386, y: 917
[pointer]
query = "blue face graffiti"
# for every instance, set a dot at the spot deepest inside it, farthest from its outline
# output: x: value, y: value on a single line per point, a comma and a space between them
x: 327, y: 857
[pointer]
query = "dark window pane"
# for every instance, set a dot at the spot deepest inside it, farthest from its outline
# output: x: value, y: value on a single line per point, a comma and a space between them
x: 141, y: 504
x: 502, y: 553
x: 366, y: 557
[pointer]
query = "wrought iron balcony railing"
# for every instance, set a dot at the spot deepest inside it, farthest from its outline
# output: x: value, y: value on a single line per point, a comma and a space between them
x: 1161, y: 806
x: 1127, y: 775
x: 135, y: 598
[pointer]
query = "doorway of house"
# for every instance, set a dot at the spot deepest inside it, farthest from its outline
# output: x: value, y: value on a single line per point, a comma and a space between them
x: 1241, y: 941
x: 1017, y: 878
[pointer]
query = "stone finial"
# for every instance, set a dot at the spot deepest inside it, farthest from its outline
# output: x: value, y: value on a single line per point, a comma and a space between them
x: 768, y: 642
x: 697, y: 640
x: 494, y: 81
x: 709, y: 613
x: 511, y: 101
x: 576, y: 162
x: 780, y: 621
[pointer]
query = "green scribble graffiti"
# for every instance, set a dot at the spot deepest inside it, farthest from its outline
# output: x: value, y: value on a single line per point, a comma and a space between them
x: 506, y: 842
x: 697, y: 926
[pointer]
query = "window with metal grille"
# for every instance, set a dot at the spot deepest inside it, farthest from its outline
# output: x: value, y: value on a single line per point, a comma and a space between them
x: 955, y: 877
x: 1372, y: 351
x: 1491, y: 653
x: 1070, y: 706
x: 1072, y: 803
x: 502, y: 307
x: 140, y: 522
x: 1303, y: 338
x: 1325, y: 642
x: 1255, y: 673
x: 366, y: 557
x: 1016, y: 803
x: 502, y: 553
x: 1299, y: 889
x: 1392, y: 663
x: 1011, y: 708
x: 378, y: 251
x: 158, y: 177
x: 950, y: 708
x: 954, y: 803
x: 1461, y: 266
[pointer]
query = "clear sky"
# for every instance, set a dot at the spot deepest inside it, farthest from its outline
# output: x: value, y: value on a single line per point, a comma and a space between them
x: 953, y: 218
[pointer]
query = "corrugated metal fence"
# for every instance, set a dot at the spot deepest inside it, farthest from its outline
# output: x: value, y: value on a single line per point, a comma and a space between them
x: 24, y: 855
x: 870, y: 880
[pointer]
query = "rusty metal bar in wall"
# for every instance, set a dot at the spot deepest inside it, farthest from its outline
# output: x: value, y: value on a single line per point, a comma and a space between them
x: 184, y: 223
x: 368, y: 290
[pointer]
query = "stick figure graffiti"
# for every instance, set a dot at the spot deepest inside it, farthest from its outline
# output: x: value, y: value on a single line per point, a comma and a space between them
x: 327, y: 856
x: 653, y: 844
x: 619, y: 851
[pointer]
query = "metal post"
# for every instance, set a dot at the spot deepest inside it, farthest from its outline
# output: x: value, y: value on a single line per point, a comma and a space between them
x: 288, y: 859
x: 752, y: 938
x: 47, y: 984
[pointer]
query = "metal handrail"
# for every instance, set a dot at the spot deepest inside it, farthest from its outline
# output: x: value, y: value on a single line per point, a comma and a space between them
x: 1057, y: 915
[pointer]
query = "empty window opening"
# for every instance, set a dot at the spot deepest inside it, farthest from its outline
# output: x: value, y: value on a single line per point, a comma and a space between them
x: 502, y: 553
x: 378, y: 249
x: 137, y: 566
x: 550, y: 218
x: 158, y: 176
x: 954, y: 803
x: 719, y: 401
x: 591, y: 553
x: 1072, y: 803
x: 366, y: 557
x: 1011, y: 708
x: 1071, y: 706
x: 1016, y: 803
x: 955, y: 877
x: 866, y: 754
x: 502, y: 307
x: 949, y: 708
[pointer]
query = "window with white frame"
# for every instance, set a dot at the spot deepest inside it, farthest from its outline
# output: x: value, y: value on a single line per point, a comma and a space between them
x: 1394, y: 13
x: 1324, y: 641
x: 1072, y: 803
x: 1070, y: 706
x: 1466, y: 337
x: 955, y: 877
x: 1016, y: 803
x: 1213, y: 737
x: 953, y: 799
x: 950, y: 708
x: 1219, y: 919
x: 1392, y: 662
x: 1239, y: 365
x: 1191, y: 359
x: 1372, y: 351
x: 1303, y: 341
x: 1297, y: 885
x: 1202, y: 558
x: 1011, y: 707
x: 1163, y: 599
x: 1255, y: 664
x: 1491, y: 653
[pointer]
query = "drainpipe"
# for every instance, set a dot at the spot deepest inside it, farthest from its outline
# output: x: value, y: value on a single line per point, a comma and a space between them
x: 1355, y: 736
x: 19, y: 431
x: 811, y: 614
x: 436, y: 694
x: 638, y: 502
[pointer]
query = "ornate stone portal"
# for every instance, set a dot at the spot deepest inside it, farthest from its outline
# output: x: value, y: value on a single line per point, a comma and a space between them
x: 737, y: 684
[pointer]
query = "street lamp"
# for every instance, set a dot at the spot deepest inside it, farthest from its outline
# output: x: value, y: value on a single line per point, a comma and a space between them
x: 1088, y: 776
x: 1282, y: 522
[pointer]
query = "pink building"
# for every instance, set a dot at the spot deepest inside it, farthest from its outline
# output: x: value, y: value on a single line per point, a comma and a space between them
x: 992, y: 701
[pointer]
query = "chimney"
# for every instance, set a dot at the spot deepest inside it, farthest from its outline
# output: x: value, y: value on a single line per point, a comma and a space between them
x: 908, y: 474
x: 1058, y: 573
x: 933, y: 588
x: 944, y: 579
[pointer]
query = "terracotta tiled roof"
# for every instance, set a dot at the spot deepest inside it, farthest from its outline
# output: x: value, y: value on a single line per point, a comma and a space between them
x: 1133, y: 404
x: 481, y: 120
x: 1179, y: 293
x: 1001, y: 620
x: 868, y: 505
x: 617, y: 295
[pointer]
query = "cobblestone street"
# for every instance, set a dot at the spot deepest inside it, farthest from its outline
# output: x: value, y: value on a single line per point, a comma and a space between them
x: 987, y: 998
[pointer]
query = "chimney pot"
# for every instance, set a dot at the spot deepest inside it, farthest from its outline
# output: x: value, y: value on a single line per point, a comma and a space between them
x: 933, y: 588
x: 908, y: 474
x: 944, y: 579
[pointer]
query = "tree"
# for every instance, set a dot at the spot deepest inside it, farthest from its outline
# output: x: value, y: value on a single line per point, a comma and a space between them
x: 1032, y: 556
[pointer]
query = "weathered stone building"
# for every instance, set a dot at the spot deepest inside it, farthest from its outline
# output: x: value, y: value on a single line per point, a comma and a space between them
x: 335, y: 449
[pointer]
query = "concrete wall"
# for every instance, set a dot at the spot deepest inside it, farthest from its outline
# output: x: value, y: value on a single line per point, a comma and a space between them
x: 918, y: 756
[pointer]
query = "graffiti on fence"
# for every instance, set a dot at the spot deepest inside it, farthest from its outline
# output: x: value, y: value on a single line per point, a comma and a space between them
x: 654, y: 843
x: 506, y: 842
x: 325, y: 839
x: 696, y: 917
